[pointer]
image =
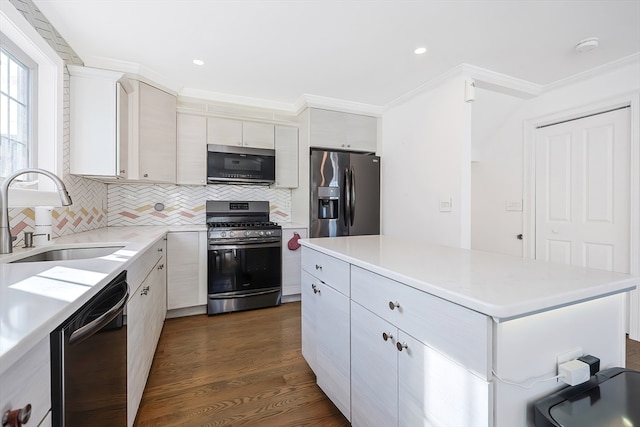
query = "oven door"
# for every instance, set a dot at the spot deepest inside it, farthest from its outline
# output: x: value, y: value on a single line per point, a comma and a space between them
x: 240, y: 268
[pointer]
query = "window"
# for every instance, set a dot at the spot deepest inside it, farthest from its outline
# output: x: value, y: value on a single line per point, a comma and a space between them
x: 25, y: 49
x: 17, y: 141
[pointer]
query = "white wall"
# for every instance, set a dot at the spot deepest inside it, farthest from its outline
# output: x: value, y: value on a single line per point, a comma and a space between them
x: 499, y: 173
x: 426, y: 157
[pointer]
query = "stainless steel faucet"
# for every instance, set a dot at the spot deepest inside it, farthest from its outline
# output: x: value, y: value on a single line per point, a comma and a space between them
x: 6, y: 246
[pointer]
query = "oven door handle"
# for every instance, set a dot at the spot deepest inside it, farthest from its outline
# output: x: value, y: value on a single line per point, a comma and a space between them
x: 247, y: 295
x: 215, y: 246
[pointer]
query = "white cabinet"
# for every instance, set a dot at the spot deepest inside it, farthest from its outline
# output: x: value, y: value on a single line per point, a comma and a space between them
x: 154, y: 130
x: 325, y: 317
x: 343, y: 131
x: 99, y: 125
x: 286, y: 156
x: 291, y: 262
x: 191, y: 150
x: 186, y: 269
x: 235, y: 132
x: 120, y: 128
x: 146, y: 311
x: 28, y: 381
x: 431, y: 371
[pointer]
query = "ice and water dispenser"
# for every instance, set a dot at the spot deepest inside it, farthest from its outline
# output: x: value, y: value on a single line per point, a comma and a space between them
x: 328, y: 201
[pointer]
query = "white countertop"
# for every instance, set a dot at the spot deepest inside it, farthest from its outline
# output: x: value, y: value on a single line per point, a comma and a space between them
x: 36, y: 297
x: 500, y: 286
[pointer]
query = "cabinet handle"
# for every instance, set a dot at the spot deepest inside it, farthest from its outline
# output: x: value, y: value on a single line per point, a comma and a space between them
x: 393, y: 305
x: 400, y: 346
x: 161, y: 266
x: 315, y: 289
x: 144, y: 290
x: 17, y: 417
x: 121, y: 170
x: 159, y: 249
x: 318, y: 267
x: 386, y: 336
x: 146, y: 175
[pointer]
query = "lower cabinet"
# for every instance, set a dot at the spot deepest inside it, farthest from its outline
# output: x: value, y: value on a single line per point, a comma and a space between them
x: 146, y: 311
x: 28, y: 382
x: 291, y: 262
x: 186, y: 269
x: 325, y: 339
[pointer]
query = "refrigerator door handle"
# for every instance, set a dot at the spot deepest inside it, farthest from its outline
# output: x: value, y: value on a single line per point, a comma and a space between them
x: 347, y: 197
x: 352, y: 206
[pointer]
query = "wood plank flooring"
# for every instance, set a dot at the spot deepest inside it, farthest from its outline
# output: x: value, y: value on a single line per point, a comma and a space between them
x: 234, y: 369
x: 242, y: 369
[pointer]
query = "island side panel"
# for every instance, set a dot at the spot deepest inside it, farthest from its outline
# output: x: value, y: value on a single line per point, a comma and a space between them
x: 527, y: 348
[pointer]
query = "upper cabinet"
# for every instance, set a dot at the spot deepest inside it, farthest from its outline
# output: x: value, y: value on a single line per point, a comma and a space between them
x: 286, y: 156
x: 235, y: 132
x: 342, y: 131
x: 121, y: 128
x: 191, y: 156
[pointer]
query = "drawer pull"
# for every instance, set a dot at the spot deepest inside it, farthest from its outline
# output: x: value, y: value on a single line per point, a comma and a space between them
x: 318, y: 267
x: 145, y: 291
x: 161, y: 266
x: 393, y: 305
x: 17, y: 417
x: 315, y: 289
x: 386, y: 336
x: 400, y: 346
x: 159, y: 249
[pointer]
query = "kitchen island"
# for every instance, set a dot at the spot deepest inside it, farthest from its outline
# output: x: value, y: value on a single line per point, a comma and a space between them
x: 433, y: 335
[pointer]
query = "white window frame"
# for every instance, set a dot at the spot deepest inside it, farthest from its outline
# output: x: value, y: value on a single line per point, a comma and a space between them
x: 49, y: 105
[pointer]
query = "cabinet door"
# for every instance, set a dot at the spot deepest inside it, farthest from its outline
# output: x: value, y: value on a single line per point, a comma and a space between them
x: 434, y: 390
x: 191, y: 152
x: 333, y: 346
x: 136, y: 372
x: 374, y: 374
x: 157, y: 283
x: 291, y: 262
x: 157, y: 134
x: 224, y: 131
x: 286, y: 157
x: 309, y: 310
x: 362, y: 132
x: 183, y: 271
x: 258, y: 135
x: 344, y: 131
x: 123, y: 133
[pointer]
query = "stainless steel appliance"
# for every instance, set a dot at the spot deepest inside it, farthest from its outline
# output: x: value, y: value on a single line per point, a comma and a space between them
x: 244, y: 258
x: 345, y: 193
x: 231, y: 164
x: 89, y: 362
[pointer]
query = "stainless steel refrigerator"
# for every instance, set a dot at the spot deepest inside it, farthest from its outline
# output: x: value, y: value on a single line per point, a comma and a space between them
x: 345, y: 194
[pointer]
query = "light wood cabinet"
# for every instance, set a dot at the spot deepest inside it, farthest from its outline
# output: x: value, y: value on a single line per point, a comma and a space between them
x: 154, y: 130
x: 342, y: 131
x: 186, y: 269
x: 120, y: 128
x: 325, y: 314
x: 244, y: 134
x: 191, y: 150
x: 286, y: 144
x: 28, y: 381
x: 291, y: 262
x: 146, y: 311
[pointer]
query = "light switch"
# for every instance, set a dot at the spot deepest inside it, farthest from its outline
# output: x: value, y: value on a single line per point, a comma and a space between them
x: 513, y: 205
x: 445, y: 205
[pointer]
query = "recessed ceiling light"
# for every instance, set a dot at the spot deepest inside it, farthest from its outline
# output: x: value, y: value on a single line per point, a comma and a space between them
x: 420, y: 50
x: 198, y: 61
x: 587, y: 44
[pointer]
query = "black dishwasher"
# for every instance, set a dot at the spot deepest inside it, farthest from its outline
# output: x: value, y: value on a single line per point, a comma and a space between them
x: 89, y: 362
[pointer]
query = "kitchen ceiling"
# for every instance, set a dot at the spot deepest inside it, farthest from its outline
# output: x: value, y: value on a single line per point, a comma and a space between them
x: 359, y: 51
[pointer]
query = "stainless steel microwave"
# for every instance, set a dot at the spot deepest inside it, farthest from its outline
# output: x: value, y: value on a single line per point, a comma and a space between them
x: 229, y: 164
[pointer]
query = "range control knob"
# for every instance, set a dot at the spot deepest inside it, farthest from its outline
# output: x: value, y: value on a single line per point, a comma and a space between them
x: 246, y: 233
x: 261, y: 233
x: 223, y: 234
x: 269, y: 233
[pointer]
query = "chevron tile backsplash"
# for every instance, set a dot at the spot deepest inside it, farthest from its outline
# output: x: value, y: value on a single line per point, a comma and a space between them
x: 140, y: 204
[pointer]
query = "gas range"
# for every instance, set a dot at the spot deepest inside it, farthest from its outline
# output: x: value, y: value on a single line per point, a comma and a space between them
x: 234, y: 221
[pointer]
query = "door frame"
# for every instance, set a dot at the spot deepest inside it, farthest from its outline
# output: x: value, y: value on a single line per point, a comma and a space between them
x: 631, y: 99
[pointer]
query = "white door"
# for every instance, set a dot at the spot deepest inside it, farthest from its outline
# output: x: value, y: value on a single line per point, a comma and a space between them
x: 583, y: 192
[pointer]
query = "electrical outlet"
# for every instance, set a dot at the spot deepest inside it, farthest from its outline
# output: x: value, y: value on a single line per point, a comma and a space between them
x: 569, y: 355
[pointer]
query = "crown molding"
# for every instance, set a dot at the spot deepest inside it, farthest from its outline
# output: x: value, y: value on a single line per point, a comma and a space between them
x: 237, y: 99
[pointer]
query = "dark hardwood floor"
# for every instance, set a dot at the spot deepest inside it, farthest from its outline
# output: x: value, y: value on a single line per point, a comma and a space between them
x: 234, y: 369
x: 242, y: 369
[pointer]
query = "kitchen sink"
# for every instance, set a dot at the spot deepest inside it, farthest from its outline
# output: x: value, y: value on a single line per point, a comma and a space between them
x: 69, y: 254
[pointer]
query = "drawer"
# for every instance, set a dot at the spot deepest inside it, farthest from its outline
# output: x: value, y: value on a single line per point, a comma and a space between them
x: 461, y: 334
x: 28, y: 381
x: 328, y: 269
x: 140, y: 269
